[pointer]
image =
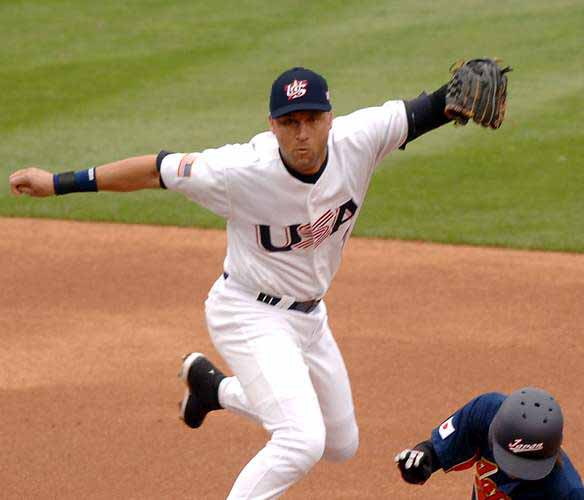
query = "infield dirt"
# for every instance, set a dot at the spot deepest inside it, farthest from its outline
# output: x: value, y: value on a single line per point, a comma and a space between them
x: 94, y: 320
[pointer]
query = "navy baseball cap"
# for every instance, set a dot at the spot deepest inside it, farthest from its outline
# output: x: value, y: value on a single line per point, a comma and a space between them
x: 526, y: 434
x: 299, y: 89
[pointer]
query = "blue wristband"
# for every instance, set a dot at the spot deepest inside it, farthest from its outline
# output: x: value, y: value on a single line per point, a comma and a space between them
x: 85, y: 180
x: 82, y: 181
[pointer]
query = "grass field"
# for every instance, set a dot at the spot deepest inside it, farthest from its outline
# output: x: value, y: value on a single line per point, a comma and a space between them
x: 86, y: 83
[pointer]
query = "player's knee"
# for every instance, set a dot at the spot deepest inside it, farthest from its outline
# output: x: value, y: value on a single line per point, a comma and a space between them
x: 315, y: 446
x: 302, y: 448
x: 310, y: 447
x: 342, y: 440
x: 341, y: 454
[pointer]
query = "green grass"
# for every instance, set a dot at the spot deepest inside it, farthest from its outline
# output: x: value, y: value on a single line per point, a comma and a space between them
x: 87, y: 83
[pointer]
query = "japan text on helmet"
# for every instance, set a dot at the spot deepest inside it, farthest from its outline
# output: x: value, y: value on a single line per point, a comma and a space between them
x: 526, y: 434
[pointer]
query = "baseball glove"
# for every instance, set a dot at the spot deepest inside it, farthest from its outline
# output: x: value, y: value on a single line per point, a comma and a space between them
x: 477, y: 90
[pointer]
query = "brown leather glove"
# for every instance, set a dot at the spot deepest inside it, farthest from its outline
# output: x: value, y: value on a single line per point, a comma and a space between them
x: 477, y: 91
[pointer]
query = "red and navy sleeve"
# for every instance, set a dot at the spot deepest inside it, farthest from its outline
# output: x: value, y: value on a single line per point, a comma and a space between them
x: 460, y: 439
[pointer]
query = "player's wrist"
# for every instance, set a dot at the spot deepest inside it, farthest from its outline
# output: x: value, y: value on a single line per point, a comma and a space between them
x: 82, y: 181
x: 432, y: 458
x: 425, y: 113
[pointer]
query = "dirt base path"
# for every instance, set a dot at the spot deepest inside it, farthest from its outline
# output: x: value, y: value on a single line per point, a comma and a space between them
x: 94, y: 319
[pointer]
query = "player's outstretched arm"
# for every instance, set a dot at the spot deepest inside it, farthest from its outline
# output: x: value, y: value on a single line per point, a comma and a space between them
x: 126, y: 175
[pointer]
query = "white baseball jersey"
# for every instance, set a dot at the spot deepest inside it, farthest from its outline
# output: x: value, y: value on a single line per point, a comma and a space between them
x: 285, y: 236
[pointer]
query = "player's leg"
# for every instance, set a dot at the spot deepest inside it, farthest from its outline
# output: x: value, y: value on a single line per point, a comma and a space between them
x: 264, y: 353
x: 232, y: 397
x: 330, y: 379
x: 331, y: 382
x: 277, y: 385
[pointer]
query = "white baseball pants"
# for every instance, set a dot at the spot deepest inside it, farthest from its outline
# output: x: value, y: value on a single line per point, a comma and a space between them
x: 289, y: 376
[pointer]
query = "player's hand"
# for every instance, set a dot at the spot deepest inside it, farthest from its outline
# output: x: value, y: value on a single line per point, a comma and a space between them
x: 414, y: 465
x: 32, y: 181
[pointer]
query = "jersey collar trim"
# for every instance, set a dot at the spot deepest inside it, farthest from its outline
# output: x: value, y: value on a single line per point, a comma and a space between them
x: 306, y: 178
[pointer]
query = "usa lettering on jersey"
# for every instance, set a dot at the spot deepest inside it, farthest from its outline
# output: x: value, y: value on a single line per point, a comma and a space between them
x: 311, y: 234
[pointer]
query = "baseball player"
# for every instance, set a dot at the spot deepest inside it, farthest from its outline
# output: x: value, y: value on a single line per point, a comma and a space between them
x: 514, y: 443
x: 291, y: 197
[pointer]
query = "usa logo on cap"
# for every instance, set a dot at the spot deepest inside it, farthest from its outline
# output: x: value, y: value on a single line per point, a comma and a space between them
x: 296, y: 89
x: 299, y: 89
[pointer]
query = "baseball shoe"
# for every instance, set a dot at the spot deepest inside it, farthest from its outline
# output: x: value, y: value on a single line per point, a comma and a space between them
x: 202, y: 395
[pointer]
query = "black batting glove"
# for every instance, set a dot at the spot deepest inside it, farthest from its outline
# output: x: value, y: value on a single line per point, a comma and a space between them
x: 417, y: 465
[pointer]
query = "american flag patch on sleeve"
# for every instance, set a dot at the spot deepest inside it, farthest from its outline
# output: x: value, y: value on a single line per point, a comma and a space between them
x: 186, y: 165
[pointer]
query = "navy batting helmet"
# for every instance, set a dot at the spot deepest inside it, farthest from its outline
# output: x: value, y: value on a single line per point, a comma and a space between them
x: 526, y: 434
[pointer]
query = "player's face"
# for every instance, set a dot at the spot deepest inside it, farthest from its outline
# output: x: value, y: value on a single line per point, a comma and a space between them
x: 302, y: 137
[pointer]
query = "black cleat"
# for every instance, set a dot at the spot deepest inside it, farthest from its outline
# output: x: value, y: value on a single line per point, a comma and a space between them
x: 202, y: 396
